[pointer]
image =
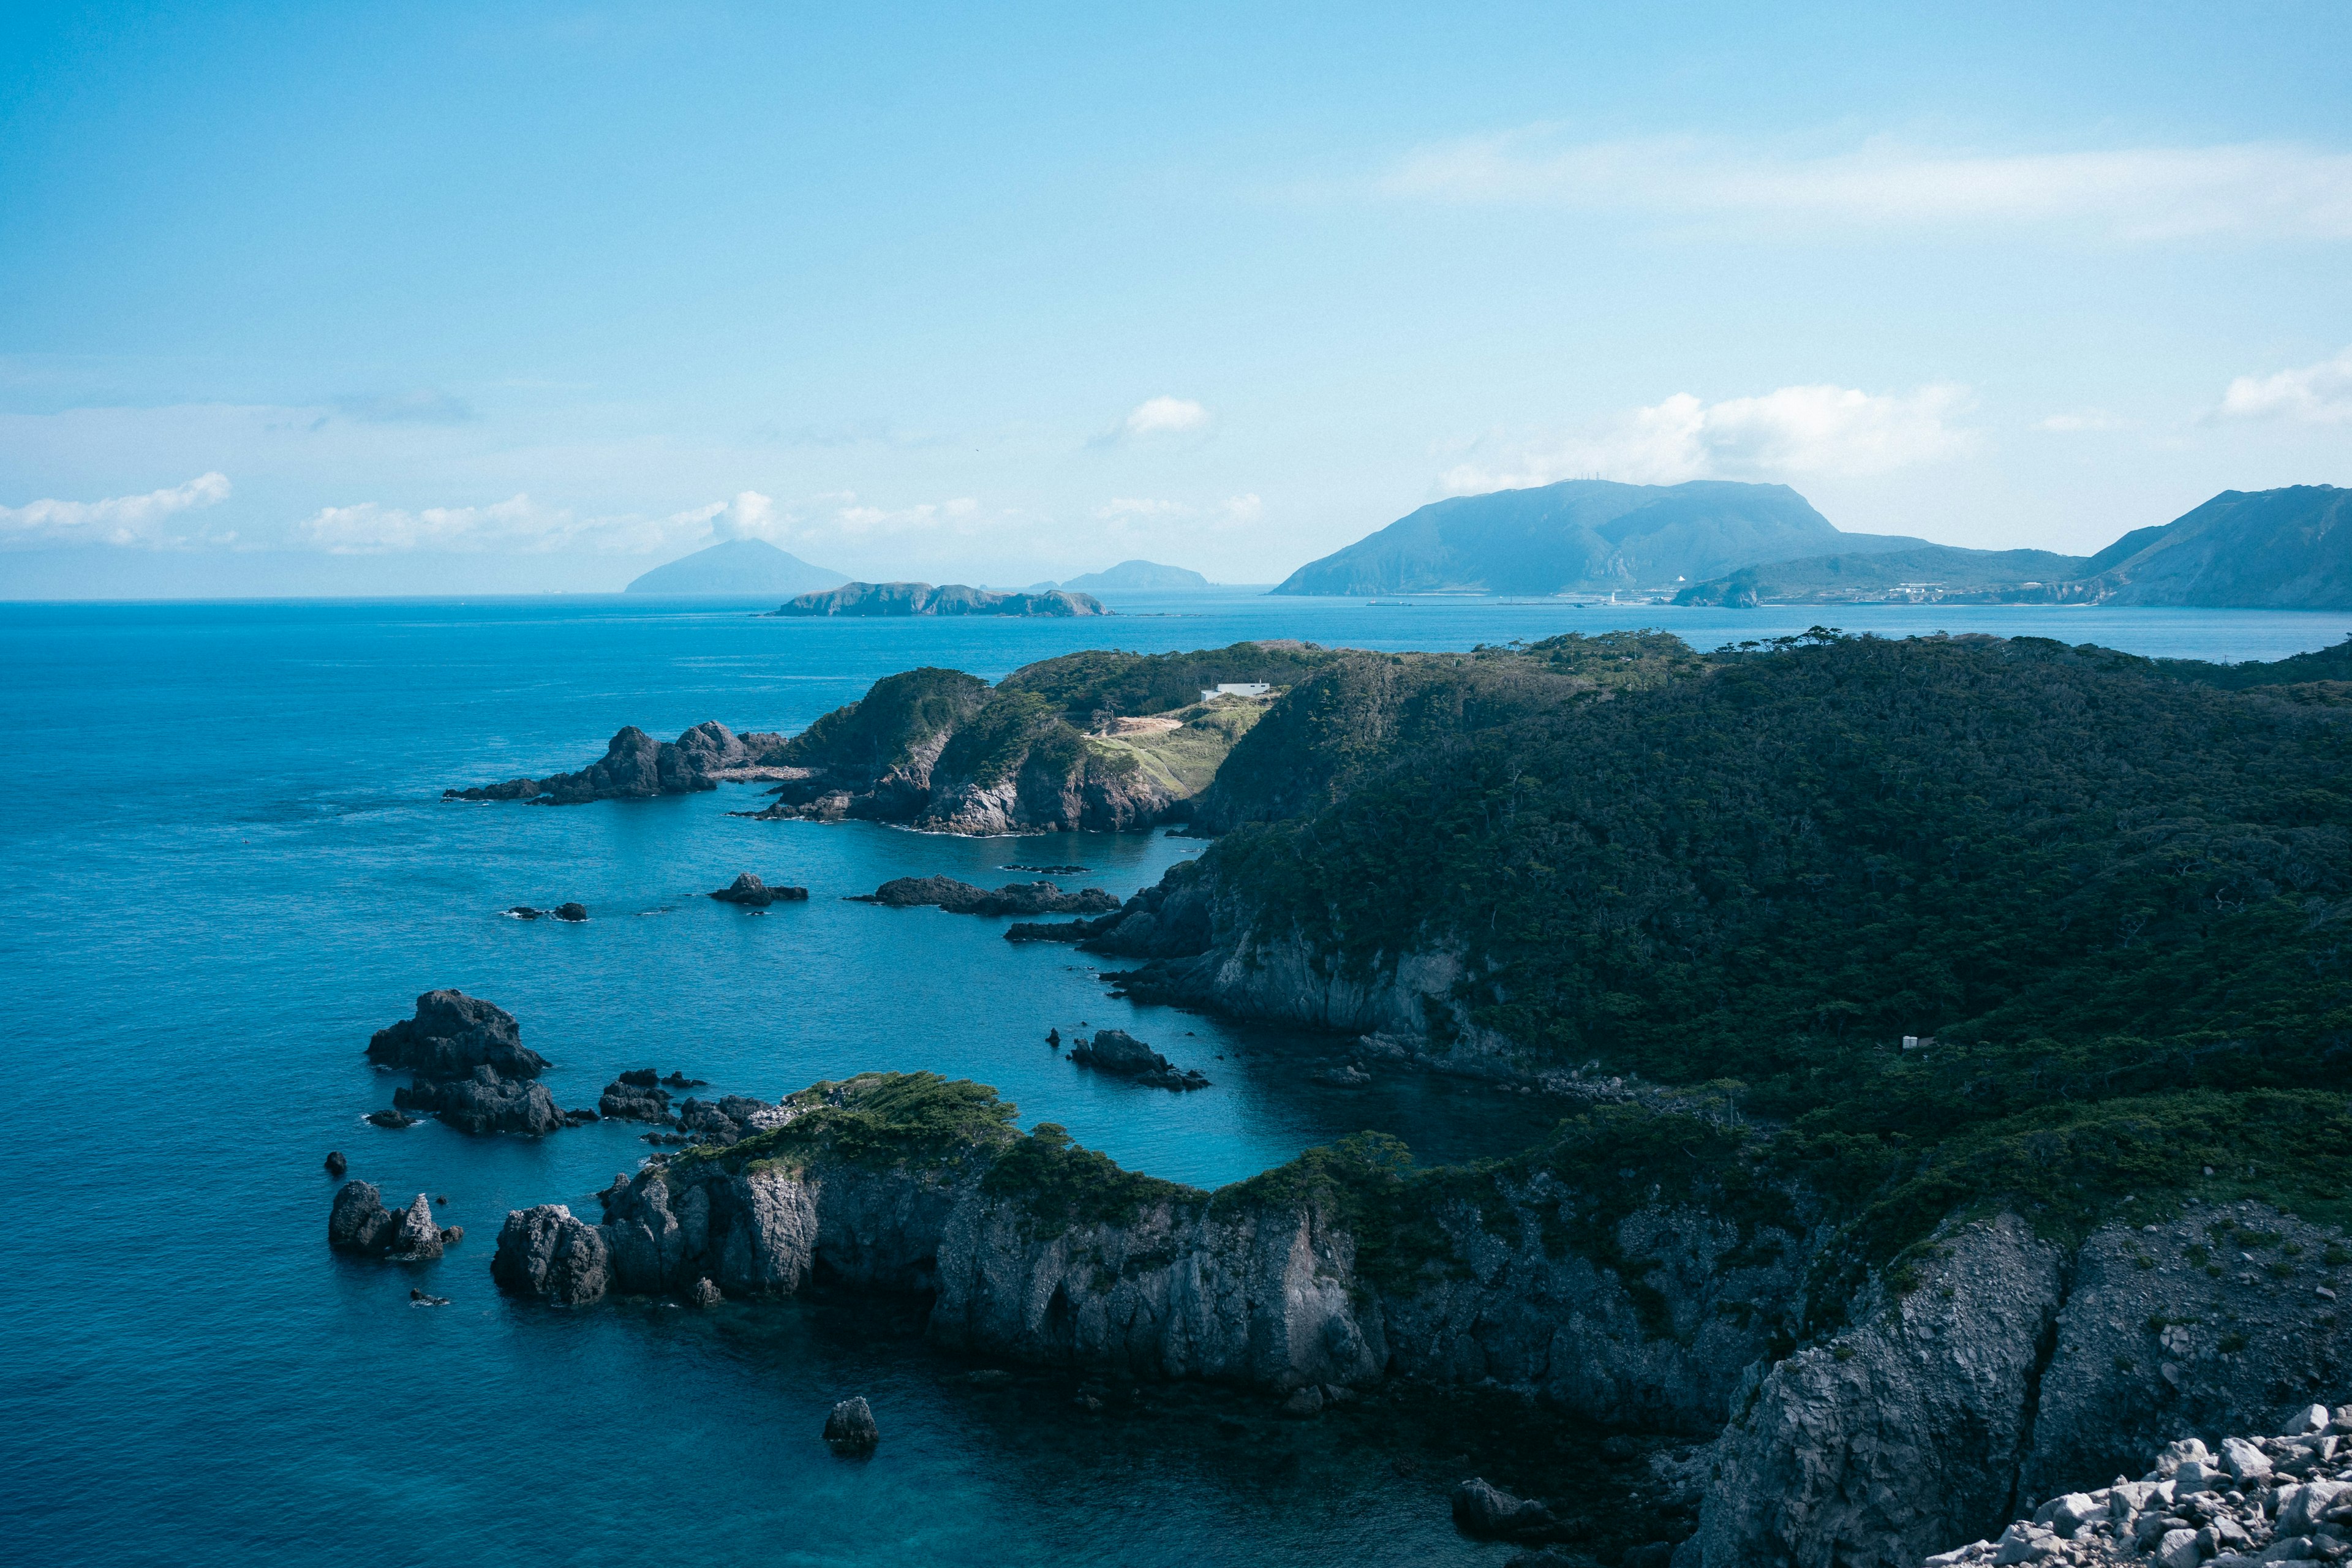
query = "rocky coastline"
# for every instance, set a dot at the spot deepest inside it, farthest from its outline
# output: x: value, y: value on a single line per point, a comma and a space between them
x: 635, y: 766
x: 1938, y: 1402
x: 963, y: 899
x: 923, y: 599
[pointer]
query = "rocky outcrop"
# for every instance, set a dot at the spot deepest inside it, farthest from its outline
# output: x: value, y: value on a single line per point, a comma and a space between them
x: 635, y: 766
x: 748, y: 888
x: 451, y: 1035
x: 922, y: 599
x: 637, y: 1096
x: 359, y: 1223
x: 545, y: 1253
x: 2258, y: 1500
x: 573, y: 914
x: 485, y: 1101
x: 1121, y: 1055
x: 851, y: 1424
x: 472, y: 1069
x: 963, y: 899
x: 1490, y: 1513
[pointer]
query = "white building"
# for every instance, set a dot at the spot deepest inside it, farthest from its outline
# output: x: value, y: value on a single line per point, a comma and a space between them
x: 1235, y: 688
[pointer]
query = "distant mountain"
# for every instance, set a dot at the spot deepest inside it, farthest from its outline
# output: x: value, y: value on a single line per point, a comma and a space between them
x: 1930, y: 572
x: 737, y: 566
x: 2280, y: 550
x: 922, y: 599
x: 1136, y: 576
x: 1583, y: 535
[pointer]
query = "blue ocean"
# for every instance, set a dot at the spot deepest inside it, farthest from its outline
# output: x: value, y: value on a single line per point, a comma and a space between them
x: 225, y: 862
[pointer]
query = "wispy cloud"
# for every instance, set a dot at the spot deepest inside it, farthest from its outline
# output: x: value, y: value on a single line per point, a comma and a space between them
x: 119, y: 520
x: 367, y: 529
x: 2314, y: 395
x: 419, y: 405
x: 1792, y: 432
x: 2259, y: 189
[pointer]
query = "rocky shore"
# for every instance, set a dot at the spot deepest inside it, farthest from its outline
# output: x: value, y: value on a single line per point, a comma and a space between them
x: 2285, y: 1499
x: 922, y: 599
x: 635, y: 766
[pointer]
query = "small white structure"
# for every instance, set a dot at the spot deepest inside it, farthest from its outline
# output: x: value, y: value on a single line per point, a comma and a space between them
x: 1235, y: 688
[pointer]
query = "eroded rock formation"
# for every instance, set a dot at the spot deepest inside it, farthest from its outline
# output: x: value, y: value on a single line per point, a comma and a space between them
x: 635, y: 766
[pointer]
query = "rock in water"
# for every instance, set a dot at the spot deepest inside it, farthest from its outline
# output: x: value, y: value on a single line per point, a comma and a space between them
x: 419, y: 1298
x: 415, y: 1237
x: 358, y: 1222
x: 452, y: 1035
x: 851, y: 1424
x: 706, y: 1294
x: 573, y: 912
x: 1493, y: 1514
x: 392, y: 1119
x: 963, y: 899
x: 631, y: 1097
x: 544, y: 1252
x: 747, y: 888
x: 336, y: 1164
x: 486, y: 1103
x: 1118, y: 1052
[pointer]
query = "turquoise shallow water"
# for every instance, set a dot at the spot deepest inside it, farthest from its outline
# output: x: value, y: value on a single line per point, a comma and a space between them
x: 225, y: 862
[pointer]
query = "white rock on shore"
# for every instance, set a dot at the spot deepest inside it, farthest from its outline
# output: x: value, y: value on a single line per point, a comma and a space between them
x: 2270, y: 1500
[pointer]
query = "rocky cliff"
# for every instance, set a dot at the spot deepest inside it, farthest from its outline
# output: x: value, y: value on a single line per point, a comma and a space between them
x: 1636, y: 1272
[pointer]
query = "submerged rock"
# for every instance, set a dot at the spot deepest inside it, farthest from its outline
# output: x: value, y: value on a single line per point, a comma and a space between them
x: 574, y: 912
x: 747, y: 888
x: 419, y: 1298
x: 392, y: 1119
x: 851, y: 1424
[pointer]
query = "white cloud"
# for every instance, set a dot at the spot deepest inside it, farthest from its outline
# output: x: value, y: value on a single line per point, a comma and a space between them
x: 118, y: 519
x: 2316, y: 394
x: 368, y: 529
x: 2258, y: 188
x: 1156, y: 416
x: 1796, y: 431
x: 2084, y: 419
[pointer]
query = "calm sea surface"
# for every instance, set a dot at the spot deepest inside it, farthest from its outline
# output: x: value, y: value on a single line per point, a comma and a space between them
x: 225, y: 862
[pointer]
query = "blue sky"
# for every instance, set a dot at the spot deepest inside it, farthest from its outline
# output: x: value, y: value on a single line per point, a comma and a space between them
x: 413, y: 297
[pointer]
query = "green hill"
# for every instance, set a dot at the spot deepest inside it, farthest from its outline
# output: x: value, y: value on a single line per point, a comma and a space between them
x: 1583, y: 535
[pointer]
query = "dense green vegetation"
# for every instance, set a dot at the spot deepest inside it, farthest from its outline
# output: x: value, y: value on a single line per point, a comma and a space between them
x: 2115, y: 895
x: 881, y: 1120
x: 883, y: 729
x: 1091, y: 686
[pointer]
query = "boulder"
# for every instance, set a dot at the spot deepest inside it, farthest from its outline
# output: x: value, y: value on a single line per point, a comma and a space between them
x: 705, y: 1294
x: 488, y: 1102
x: 522, y: 912
x: 453, y: 1236
x: 851, y: 1424
x: 747, y: 888
x: 1304, y: 1402
x: 451, y: 1035
x: 358, y: 1222
x: 419, y: 1298
x: 546, y: 1253
x: 392, y: 1119
x: 336, y: 1164
x: 574, y: 912
x: 1490, y: 1513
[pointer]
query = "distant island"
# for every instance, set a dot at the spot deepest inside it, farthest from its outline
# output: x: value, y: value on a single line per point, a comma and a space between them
x: 1583, y: 536
x: 2287, y: 549
x: 1738, y: 545
x: 737, y: 566
x: 1136, y: 576
x: 922, y: 599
